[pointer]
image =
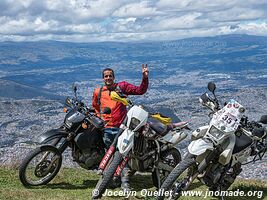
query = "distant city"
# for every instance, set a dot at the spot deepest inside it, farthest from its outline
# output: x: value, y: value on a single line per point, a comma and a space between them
x: 36, y: 77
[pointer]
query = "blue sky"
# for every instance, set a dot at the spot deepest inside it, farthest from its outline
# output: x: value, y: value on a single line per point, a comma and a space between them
x: 127, y: 20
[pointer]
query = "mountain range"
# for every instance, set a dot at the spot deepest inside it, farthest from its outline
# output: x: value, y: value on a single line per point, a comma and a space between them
x: 40, y: 63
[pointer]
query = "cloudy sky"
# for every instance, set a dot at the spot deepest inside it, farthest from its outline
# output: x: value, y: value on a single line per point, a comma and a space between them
x: 127, y: 20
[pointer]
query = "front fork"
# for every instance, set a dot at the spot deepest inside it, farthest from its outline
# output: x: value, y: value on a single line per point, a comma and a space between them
x: 121, y: 166
x: 199, y: 170
x: 106, y: 159
x: 186, y: 182
x: 192, y: 174
x: 54, y: 143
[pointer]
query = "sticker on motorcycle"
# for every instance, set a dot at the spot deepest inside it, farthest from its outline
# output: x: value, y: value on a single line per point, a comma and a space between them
x: 125, y: 141
x: 228, y: 119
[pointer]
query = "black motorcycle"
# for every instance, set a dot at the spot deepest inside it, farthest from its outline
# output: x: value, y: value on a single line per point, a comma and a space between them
x: 81, y: 131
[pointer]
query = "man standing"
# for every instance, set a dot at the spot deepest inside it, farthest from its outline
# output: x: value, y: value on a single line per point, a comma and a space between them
x: 101, y: 99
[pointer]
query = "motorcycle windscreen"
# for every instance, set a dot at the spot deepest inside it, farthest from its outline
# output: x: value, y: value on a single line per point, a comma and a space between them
x: 125, y: 142
x: 137, y: 117
x: 198, y: 147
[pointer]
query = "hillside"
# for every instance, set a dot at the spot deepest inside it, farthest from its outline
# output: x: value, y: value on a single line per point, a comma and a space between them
x: 78, y: 184
x: 14, y: 90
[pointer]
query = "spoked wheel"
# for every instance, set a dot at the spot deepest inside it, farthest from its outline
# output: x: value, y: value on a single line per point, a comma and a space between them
x: 40, y: 166
x: 107, y: 176
x: 170, y: 183
x: 171, y: 158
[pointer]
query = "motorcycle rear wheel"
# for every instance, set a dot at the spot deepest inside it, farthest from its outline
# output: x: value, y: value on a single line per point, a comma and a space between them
x: 107, y: 176
x: 171, y: 161
x: 40, y: 166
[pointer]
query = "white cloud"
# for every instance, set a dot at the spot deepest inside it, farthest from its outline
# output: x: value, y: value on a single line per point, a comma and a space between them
x: 125, y: 25
x: 246, y: 28
x: 99, y: 20
x: 85, y: 28
x: 237, y: 14
x: 192, y: 5
x: 141, y: 9
x: 182, y: 22
x: 42, y: 26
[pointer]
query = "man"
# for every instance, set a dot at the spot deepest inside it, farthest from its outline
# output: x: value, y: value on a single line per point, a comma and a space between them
x: 101, y: 99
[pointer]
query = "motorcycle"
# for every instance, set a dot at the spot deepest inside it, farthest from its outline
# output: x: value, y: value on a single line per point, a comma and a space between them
x: 218, y: 150
x: 145, y: 143
x: 81, y: 131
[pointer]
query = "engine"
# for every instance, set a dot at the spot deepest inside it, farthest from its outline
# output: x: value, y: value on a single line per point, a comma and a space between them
x: 142, y: 159
x: 217, y: 176
x: 90, y: 159
x: 88, y: 154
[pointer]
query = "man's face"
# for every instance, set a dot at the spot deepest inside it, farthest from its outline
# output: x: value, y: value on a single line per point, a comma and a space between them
x: 108, y: 78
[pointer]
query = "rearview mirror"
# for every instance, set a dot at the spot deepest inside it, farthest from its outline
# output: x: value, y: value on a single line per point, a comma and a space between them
x: 211, y: 87
x: 204, y: 98
x: 68, y: 101
x: 74, y: 87
x: 263, y: 119
x: 106, y: 110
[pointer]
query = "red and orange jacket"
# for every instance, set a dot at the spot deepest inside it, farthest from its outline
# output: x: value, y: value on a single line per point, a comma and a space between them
x: 118, y: 110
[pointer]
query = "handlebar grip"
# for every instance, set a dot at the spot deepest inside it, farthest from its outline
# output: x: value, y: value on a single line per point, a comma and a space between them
x: 205, y: 98
x: 91, y: 110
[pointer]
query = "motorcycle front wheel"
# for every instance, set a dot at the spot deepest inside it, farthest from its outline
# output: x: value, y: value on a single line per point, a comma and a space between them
x: 40, y: 166
x: 103, y: 182
x: 168, y: 184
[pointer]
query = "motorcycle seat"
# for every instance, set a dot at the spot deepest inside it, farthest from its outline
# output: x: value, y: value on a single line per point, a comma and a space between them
x: 162, y: 129
x: 159, y: 128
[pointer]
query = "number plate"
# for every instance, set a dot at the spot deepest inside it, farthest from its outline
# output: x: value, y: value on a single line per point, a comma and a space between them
x: 228, y: 119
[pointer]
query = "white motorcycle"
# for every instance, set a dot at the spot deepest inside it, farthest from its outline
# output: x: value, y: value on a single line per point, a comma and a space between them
x: 218, y: 150
x: 146, y: 144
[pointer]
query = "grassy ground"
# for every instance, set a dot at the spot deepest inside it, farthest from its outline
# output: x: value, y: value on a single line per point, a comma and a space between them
x: 77, y: 184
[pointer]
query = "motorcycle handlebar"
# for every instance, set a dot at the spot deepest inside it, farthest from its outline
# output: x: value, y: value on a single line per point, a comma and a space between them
x: 97, y: 122
x: 78, y: 103
x: 91, y: 110
x: 212, y: 104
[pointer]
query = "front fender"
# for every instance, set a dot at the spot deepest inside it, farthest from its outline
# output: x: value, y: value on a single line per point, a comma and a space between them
x: 48, y: 147
x: 51, y: 135
x: 125, y: 142
x: 199, y: 146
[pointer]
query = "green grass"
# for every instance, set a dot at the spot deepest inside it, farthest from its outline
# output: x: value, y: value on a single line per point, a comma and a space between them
x: 77, y: 184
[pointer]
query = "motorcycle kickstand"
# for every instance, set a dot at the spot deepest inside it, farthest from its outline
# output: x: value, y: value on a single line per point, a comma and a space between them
x: 158, y: 176
x: 221, y: 197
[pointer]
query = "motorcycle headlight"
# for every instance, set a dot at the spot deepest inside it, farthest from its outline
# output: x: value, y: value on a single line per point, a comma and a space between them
x: 216, y: 133
x: 134, y: 123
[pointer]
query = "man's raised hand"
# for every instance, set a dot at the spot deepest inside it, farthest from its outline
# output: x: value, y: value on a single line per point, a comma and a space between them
x: 145, y: 70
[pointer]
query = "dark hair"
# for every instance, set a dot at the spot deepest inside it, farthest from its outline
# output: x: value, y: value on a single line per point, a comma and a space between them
x: 108, y: 69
